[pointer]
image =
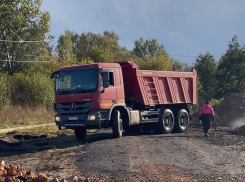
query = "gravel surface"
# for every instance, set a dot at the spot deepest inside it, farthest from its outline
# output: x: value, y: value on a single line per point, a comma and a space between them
x: 146, y: 157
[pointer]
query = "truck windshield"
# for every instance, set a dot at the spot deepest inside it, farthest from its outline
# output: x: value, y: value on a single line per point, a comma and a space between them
x: 77, y: 81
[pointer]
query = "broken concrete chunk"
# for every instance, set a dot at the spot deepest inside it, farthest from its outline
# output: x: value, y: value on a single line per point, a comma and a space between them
x: 2, y: 168
x: 87, y: 180
x: 30, y: 175
x: 43, y: 178
x: 35, y: 179
x: 63, y: 180
x: 15, y: 173
x: 9, y: 179
x: 55, y: 180
x: 29, y: 180
x: 81, y: 179
x: 2, y: 162
x: 72, y: 179
x: 3, y: 173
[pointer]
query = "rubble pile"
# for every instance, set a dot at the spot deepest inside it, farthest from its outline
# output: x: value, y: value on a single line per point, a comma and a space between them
x: 15, y: 173
x: 231, y: 111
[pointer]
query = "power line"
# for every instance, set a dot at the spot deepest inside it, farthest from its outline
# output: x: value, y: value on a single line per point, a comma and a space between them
x: 54, y: 43
x: 1, y: 60
x: 26, y: 55
x: 30, y: 55
x: 188, y: 56
x: 25, y: 41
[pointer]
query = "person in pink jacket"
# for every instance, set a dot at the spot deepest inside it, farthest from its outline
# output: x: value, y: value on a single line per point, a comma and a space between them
x: 206, y: 115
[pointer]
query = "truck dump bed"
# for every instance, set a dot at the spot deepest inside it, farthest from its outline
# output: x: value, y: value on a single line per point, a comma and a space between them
x: 158, y: 87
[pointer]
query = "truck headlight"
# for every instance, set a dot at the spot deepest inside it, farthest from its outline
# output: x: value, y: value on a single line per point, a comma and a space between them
x: 91, y: 117
x: 57, y: 118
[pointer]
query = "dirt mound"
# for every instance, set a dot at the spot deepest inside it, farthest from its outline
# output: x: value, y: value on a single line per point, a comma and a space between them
x: 15, y: 173
x: 231, y: 111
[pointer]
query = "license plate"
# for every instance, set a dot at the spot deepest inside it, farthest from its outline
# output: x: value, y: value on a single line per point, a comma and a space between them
x: 72, y: 118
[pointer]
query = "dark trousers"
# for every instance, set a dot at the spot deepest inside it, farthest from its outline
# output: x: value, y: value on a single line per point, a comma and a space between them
x: 206, y: 126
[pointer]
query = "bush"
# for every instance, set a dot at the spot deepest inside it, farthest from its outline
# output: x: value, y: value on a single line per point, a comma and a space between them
x: 31, y: 90
x: 215, y: 102
x: 4, y: 95
x: 159, y: 63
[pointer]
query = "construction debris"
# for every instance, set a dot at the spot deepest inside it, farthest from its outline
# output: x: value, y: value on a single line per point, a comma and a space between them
x: 15, y: 173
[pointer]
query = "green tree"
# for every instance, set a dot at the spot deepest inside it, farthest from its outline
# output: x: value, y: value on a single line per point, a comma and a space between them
x: 65, y: 47
x: 231, y: 66
x: 99, y: 48
x: 159, y: 63
x: 22, y: 20
x: 148, y: 48
x: 176, y: 65
x: 206, y: 69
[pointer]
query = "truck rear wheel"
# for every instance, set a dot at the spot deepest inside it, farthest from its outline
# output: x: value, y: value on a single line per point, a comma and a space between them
x: 165, y: 123
x: 80, y: 133
x: 117, y: 126
x: 182, y: 121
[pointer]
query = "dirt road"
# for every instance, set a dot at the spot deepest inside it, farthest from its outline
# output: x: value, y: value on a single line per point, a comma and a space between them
x: 146, y: 157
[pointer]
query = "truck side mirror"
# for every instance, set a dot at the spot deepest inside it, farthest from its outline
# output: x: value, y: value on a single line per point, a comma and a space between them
x: 53, y: 75
x: 106, y: 79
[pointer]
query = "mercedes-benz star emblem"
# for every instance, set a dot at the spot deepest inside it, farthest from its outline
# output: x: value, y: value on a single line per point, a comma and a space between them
x: 73, y: 106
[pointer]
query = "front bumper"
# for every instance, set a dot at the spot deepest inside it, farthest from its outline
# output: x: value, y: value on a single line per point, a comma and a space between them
x: 71, y: 121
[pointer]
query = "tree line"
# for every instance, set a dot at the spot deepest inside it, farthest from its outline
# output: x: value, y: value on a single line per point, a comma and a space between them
x: 218, y: 79
x: 28, y: 56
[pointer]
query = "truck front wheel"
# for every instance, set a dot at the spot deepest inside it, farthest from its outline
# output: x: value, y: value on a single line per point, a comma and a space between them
x: 182, y: 121
x: 165, y: 123
x: 117, y: 125
x: 80, y: 133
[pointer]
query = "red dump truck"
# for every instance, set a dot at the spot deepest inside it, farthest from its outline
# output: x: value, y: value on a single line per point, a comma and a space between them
x: 118, y: 95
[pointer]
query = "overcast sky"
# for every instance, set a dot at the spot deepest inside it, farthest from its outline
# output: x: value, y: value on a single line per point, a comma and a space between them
x: 185, y: 27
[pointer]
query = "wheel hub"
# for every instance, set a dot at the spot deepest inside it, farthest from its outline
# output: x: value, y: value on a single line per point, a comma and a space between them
x: 182, y: 121
x: 166, y: 121
x: 120, y: 124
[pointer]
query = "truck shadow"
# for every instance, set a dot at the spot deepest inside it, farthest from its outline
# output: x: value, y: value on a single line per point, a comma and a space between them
x: 11, y: 145
x: 17, y: 144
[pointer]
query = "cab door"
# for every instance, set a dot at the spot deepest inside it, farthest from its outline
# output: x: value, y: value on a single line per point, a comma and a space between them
x: 109, y: 95
x: 119, y: 85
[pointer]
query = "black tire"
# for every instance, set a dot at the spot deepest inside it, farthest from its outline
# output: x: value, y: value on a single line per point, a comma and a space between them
x: 117, y: 126
x: 166, y: 123
x: 181, y: 121
x: 127, y: 129
x: 80, y: 133
x: 135, y: 129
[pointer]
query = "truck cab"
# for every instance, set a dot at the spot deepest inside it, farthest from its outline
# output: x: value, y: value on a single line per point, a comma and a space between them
x: 85, y: 96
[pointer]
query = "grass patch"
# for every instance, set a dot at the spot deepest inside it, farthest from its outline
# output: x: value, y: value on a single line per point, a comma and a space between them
x: 46, y: 130
x: 14, y: 116
x: 50, y: 130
